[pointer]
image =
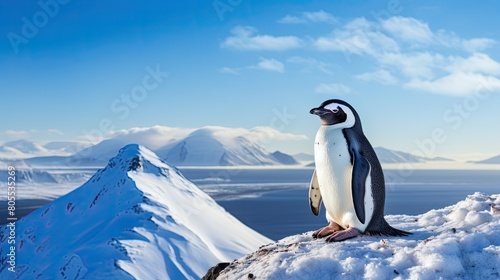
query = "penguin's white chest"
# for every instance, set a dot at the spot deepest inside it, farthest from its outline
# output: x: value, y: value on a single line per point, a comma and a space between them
x: 334, y: 173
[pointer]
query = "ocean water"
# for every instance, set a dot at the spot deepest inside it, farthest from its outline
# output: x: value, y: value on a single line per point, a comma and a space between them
x: 275, y: 201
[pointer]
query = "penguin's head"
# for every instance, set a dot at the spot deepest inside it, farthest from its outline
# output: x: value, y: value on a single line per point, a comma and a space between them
x: 336, y: 113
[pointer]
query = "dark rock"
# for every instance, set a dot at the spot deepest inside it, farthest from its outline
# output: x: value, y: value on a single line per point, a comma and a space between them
x: 214, y: 272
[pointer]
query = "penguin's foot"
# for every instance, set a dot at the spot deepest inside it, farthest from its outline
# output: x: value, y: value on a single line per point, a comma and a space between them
x: 343, y: 235
x: 328, y: 230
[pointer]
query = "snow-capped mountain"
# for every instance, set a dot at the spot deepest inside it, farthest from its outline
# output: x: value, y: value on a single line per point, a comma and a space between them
x: 66, y: 147
x: 461, y: 241
x: 206, y: 146
x: 20, y: 149
x: 97, y: 154
x: 492, y: 160
x: 391, y: 156
x: 212, y: 146
x: 25, y: 146
x: 284, y: 158
x: 138, y: 218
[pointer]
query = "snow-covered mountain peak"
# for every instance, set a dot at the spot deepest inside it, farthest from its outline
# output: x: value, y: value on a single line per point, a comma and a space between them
x: 133, y: 156
x: 136, y: 218
x: 213, y: 145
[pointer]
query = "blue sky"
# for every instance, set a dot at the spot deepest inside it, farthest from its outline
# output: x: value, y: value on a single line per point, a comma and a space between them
x: 423, y: 75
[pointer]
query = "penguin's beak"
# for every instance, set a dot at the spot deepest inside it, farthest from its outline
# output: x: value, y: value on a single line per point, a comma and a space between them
x: 320, y: 111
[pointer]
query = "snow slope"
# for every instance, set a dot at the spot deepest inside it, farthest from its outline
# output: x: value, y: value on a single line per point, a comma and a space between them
x: 461, y: 241
x: 136, y: 218
x: 206, y: 146
x: 25, y: 149
x: 391, y: 156
x: 66, y: 147
x: 210, y: 146
x: 29, y: 175
x: 25, y: 146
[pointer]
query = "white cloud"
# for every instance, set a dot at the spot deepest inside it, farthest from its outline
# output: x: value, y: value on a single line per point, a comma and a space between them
x: 333, y: 89
x: 157, y: 136
x: 415, y: 31
x: 313, y: 17
x: 478, y: 62
x: 266, y: 133
x: 21, y: 134
x: 311, y: 63
x: 153, y: 137
x: 452, y: 40
x: 458, y: 84
x: 381, y: 76
x: 288, y: 19
x: 359, y: 36
x: 477, y: 44
x: 55, y: 131
x: 451, y: 75
x: 413, y: 65
x: 407, y: 50
x: 245, y: 38
x: 270, y: 65
x: 408, y: 29
x: 227, y: 70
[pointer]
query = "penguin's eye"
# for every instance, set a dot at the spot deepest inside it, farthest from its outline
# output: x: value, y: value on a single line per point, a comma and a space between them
x: 335, y: 110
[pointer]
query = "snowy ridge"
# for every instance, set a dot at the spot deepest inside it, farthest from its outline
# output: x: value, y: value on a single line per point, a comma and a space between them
x: 212, y: 146
x: 206, y: 146
x: 138, y: 218
x: 19, y: 149
x: 461, y: 241
x: 391, y: 156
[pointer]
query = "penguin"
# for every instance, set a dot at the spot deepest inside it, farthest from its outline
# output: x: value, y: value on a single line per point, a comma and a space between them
x: 348, y: 177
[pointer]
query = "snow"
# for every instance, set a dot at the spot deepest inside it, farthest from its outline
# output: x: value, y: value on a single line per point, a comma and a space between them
x: 217, y: 146
x: 461, y: 241
x: 23, y: 148
x: 391, y: 156
x: 137, y: 218
x: 29, y: 176
x: 206, y: 146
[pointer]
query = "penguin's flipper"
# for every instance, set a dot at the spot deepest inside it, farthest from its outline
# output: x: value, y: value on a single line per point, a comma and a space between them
x: 361, y: 169
x: 314, y: 195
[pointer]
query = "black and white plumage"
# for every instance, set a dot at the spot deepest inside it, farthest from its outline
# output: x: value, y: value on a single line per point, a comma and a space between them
x: 348, y: 178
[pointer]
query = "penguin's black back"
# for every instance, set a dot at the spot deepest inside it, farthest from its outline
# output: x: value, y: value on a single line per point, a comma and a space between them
x: 357, y: 140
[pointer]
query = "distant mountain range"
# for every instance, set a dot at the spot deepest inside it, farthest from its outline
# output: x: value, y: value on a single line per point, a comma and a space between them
x: 303, y: 157
x: 26, y: 149
x: 207, y: 146
x: 390, y: 156
x: 211, y: 146
x: 492, y: 160
x: 138, y: 218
